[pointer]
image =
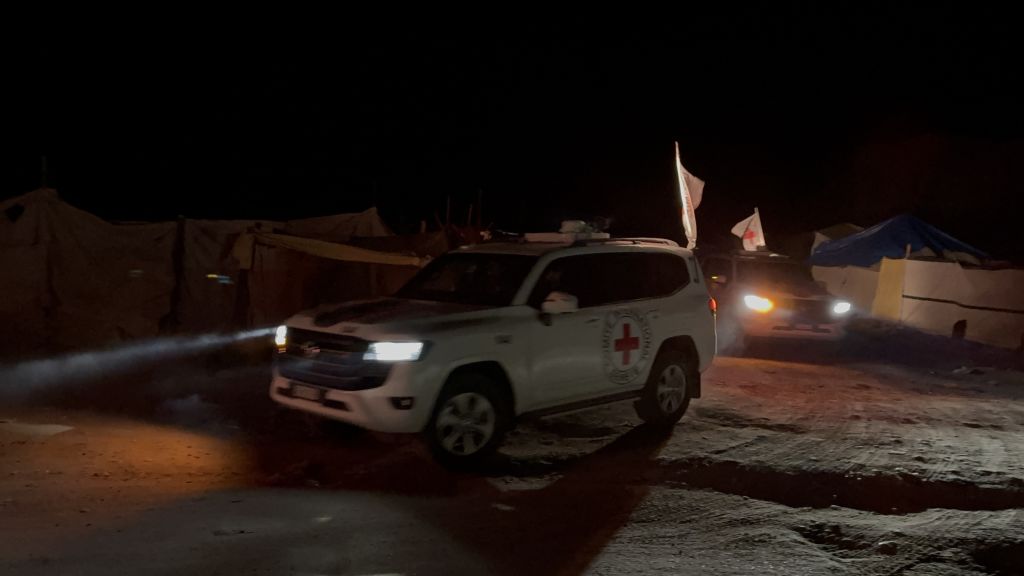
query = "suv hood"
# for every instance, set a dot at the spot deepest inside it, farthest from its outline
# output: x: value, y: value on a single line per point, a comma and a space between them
x: 378, y: 312
x: 809, y: 290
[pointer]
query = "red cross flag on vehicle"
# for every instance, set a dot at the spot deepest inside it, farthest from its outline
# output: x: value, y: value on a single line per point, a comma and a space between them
x: 691, y: 190
x: 749, y: 229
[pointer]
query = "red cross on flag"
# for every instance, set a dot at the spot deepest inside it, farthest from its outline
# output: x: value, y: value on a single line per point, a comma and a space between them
x: 749, y: 229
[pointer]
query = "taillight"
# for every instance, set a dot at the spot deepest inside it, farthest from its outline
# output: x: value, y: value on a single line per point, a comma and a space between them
x: 713, y: 305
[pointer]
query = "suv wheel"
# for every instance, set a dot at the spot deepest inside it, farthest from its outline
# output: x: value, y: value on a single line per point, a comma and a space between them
x: 667, y: 394
x: 469, y: 420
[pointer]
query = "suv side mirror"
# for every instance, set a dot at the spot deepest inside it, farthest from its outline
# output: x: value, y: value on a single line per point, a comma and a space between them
x: 559, y: 303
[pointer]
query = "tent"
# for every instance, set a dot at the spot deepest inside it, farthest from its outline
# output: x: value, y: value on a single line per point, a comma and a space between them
x: 214, y: 292
x: 70, y: 279
x: 288, y: 273
x: 981, y: 304
x: 891, y: 239
x: 936, y: 285
x: 834, y: 232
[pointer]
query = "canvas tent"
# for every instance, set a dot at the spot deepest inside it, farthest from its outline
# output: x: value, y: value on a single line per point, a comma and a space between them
x: 985, y: 305
x: 834, y: 232
x: 69, y: 279
x: 214, y: 293
x: 908, y: 271
x: 288, y: 273
x: 891, y: 239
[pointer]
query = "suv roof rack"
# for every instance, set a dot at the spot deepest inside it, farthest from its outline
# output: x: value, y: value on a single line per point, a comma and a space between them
x: 588, y: 241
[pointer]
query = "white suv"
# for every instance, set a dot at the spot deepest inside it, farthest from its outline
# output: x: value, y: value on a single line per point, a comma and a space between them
x: 490, y: 333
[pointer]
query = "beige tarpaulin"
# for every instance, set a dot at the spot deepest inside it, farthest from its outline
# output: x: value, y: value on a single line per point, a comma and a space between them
x: 109, y: 282
x: 937, y: 295
x: 23, y: 274
x: 283, y: 282
x: 24, y: 298
x: 71, y: 279
x: 888, y: 302
x: 288, y: 274
x: 852, y: 283
x: 388, y: 279
x: 339, y: 227
x: 208, y: 299
x: 211, y: 296
x: 244, y: 250
x: 432, y: 244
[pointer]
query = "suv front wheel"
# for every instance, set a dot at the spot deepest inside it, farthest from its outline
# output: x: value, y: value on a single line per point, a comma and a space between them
x: 667, y: 394
x: 469, y: 420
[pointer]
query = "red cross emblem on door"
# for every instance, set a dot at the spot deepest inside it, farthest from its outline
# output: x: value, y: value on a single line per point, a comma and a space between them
x: 627, y: 343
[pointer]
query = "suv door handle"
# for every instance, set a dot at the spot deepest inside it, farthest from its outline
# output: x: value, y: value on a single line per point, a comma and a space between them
x: 592, y: 320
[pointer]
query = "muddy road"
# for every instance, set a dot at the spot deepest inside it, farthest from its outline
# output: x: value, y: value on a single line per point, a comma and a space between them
x: 797, y: 460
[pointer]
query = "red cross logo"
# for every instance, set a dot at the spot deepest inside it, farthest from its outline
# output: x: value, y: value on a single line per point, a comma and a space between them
x: 626, y: 344
x: 749, y: 234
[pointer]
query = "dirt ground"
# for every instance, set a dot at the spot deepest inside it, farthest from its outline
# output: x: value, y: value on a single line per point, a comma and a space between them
x: 890, y: 454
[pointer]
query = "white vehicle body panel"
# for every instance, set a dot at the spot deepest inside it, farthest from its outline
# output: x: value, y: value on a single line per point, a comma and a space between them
x: 550, y: 361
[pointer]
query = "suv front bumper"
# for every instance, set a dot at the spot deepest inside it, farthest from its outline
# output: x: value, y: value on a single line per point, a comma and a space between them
x: 770, y: 326
x: 402, y: 404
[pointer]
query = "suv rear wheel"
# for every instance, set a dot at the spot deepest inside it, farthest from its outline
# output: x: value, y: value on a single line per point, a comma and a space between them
x: 667, y: 394
x: 469, y: 420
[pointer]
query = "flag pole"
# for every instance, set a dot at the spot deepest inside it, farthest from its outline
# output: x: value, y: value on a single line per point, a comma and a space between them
x: 757, y: 216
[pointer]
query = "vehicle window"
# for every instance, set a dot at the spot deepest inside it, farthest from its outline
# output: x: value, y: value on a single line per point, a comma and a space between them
x: 481, y: 279
x: 669, y: 273
x: 773, y: 272
x: 717, y: 267
x: 599, y: 279
x: 572, y: 275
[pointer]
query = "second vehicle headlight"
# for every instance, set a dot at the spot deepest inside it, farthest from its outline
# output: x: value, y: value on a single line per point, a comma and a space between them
x: 394, y: 351
x: 841, y: 307
x: 758, y: 304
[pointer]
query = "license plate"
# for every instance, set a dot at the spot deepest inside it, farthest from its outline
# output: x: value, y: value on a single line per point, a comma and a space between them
x: 306, y: 392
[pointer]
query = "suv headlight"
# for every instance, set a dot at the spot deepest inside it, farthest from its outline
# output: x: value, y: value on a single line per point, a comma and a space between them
x: 394, y: 351
x: 281, y: 337
x: 841, y: 307
x: 758, y: 304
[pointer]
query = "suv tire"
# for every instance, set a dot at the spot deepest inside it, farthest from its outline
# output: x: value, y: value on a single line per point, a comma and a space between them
x: 469, y: 421
x: 667, y: 394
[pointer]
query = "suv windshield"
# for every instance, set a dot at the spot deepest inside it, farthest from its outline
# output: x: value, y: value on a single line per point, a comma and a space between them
x: 773, y: 272
x: 481, y: 279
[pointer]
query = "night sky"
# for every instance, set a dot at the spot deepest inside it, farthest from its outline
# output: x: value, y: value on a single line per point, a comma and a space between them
x: 815, y: 114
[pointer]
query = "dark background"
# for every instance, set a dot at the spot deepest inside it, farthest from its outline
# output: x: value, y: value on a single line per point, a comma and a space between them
x: 815, y: 114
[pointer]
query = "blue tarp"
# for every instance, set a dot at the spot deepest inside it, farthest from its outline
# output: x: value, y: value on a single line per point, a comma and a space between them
x: 888, y: 240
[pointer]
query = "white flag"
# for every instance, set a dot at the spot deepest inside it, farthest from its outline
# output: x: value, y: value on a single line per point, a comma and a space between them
x: 691, y: 190
x: 749, y: 229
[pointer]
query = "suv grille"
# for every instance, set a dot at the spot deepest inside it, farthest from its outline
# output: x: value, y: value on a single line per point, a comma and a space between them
x: 807, y: 311
x: 330, y: 360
